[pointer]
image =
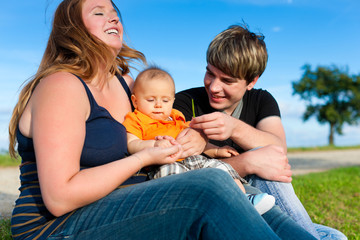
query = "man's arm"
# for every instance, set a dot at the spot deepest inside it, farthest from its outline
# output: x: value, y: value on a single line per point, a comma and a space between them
x: 268, y: 131
x: 269, y: 162
x: 220, y: 126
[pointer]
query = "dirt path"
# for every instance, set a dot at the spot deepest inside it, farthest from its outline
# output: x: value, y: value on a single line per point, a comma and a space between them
x: 301, y: 163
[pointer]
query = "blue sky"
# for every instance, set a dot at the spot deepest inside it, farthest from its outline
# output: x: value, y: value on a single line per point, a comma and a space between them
x: 175, y: 34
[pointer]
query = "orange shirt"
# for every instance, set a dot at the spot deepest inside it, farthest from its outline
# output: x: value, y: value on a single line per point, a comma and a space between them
x: 146, y: 128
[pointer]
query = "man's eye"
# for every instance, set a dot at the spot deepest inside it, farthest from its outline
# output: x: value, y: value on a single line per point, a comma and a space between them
x: 209, y: 74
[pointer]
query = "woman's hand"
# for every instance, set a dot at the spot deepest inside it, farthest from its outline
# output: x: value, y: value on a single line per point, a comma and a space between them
x: 193, y: 142
x: 159, y: 155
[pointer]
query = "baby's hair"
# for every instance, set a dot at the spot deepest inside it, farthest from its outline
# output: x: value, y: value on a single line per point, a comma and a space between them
x: 150, y: 73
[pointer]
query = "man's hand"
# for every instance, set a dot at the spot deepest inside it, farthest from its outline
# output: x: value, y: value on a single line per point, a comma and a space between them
x: 192, y: 142
x: 269, y: 162
x: 216, y: 125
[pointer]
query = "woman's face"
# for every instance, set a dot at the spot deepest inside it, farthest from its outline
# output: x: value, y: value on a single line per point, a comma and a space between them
x: 101, y: 20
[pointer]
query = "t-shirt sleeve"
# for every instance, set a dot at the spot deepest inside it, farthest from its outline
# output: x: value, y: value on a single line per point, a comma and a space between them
x: 132, y: 125
x: 268, y: 106
x: 183, y: 103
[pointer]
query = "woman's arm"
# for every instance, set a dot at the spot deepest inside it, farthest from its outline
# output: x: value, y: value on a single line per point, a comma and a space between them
x: 59, y: 108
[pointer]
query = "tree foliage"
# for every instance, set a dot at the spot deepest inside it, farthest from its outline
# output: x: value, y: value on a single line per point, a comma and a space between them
x: 332, y: 95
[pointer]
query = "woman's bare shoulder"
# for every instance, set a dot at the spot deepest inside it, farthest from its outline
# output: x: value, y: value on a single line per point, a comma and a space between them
x: 65, y: 79
x: 61, y: 86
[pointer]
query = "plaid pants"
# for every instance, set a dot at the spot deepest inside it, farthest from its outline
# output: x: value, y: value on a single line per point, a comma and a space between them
x: 192, y: 163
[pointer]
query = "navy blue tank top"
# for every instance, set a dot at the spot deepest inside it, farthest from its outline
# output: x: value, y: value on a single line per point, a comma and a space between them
x: 105, y: 141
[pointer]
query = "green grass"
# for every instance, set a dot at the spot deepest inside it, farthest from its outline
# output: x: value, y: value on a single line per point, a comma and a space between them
x: 5, y: 229
x: 6, y: 161
x: 332, y: 198
x: 321, y: 148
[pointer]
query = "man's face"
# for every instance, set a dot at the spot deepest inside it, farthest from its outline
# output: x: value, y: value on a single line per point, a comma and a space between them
x: 224, y: 92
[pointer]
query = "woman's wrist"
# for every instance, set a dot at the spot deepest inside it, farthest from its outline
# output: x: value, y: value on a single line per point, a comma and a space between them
x: 139, y: 160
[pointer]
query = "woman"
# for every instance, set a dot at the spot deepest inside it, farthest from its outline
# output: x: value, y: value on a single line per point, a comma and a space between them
x: 69, y: 115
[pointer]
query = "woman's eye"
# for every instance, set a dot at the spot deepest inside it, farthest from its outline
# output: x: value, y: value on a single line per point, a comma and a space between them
x: 99, y: 14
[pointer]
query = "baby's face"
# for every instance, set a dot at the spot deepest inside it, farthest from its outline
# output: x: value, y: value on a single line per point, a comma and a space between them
x: 155, y: 99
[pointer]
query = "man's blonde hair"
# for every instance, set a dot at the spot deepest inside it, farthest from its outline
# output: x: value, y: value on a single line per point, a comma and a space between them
x: 238, y: 53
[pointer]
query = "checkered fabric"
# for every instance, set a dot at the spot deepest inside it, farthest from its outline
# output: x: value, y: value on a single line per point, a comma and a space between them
x: 192, y: 163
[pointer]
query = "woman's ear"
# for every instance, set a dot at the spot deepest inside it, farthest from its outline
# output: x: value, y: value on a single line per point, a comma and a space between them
x: 133, y: 99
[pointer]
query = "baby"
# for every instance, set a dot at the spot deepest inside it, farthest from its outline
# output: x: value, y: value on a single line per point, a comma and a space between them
x: 155, y: 123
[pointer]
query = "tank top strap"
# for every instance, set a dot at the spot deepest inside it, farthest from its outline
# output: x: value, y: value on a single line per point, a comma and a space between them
x: 91, y: 97
x: 124, y: 85
x: 126, y: 88
x: 88, y: 92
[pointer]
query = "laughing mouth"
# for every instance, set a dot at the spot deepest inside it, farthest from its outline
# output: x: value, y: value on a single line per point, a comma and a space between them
x: 216, y: 97
x: 112, y: 31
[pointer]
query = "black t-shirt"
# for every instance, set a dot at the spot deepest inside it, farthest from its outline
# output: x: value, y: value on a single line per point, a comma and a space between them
x: 257, y: 105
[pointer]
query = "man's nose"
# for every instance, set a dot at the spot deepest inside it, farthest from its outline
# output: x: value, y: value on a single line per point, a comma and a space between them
x: 215, y: 85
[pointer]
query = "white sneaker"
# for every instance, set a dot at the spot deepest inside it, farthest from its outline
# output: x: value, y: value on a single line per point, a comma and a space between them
x: 262, y: 202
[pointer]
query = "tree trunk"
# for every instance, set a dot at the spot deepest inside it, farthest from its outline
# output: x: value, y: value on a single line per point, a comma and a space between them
x: 331, y: 136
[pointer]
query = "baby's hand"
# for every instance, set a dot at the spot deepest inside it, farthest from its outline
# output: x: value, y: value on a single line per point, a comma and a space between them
x: 225, y: 152
x: 160, y: 155
x: 163, y: 143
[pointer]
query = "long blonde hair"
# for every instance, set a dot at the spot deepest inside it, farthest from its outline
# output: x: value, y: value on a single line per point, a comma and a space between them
x: 71, y: 48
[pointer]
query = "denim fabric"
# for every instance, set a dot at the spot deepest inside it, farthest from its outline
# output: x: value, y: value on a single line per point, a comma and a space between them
x: 200, y: 204
x: 289, y: 203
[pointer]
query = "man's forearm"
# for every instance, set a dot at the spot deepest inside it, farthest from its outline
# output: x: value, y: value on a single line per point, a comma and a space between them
x: 269, y: 162
x: 268, y: 132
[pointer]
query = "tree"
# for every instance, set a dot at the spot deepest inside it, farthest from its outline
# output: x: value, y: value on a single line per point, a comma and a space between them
x: 331, y: 95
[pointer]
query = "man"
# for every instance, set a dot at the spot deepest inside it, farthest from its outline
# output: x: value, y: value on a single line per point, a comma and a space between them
x: 229, y: 111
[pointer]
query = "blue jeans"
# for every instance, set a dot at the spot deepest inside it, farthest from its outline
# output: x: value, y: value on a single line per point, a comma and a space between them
x: 200, y: 204
x: 289, y: 203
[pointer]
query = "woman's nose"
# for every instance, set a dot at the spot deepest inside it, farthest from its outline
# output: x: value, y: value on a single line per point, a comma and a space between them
x: 114, y: 18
